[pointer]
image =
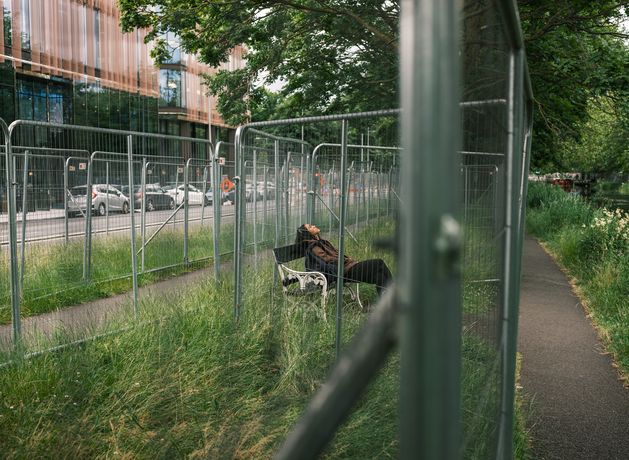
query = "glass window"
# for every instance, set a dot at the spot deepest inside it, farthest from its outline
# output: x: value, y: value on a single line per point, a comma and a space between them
x: 25, y: 17
x: 6, y: 21
x: 134, y: 112
x: 40, y: 110
x: 56, y: 101
x: 6, y: 103
x: 43, y: 101
x: 124, y: 110
x: 25, y: 99
x: 97, y: 39
x: 114, y: 109
x: 174, y: 48
x: 92, y: 103
x: 80, y: 103
x: 199, y: 131
x: 83, y: 33
x: 170, y: 88
x: 104, y: 108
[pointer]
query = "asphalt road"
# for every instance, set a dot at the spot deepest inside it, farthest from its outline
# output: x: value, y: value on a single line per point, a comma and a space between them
x: 580, y: 407
x: 40, y: 228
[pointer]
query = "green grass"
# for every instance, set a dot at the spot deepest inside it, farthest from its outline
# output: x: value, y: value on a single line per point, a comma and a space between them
x: 593, y: 245
x: 53, y: 276
x: 191, y: 382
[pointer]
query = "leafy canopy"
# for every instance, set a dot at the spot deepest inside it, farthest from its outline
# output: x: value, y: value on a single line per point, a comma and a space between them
x: 333, y: 55
x: 577, y: 55
x: 342, y: 55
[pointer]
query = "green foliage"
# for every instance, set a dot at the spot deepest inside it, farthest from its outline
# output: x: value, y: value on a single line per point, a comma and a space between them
x: 343, y: 56
x: 593, y: 244
x: 576, y: 54
x: 554, y: 210
x: 333, y: 56
x: 602, y: 147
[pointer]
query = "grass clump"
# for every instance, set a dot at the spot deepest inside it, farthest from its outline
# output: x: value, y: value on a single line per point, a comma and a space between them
x: 192, y: 382
x: 593, y: 245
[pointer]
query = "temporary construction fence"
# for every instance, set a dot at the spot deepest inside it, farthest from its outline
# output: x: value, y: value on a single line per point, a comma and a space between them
x: 459, y: 236
x: 336, y: 172
x: 90, y: 209
x: 449, y: 198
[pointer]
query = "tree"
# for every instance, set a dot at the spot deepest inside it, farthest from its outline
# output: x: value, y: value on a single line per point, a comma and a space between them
x: 576, y: 55
x: 334, y: 55
x: 342, y: 55
x: 603, y: 148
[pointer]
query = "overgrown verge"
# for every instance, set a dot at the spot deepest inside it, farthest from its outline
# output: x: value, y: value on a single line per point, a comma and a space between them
x: 593, y: 246
x: 192, y: 382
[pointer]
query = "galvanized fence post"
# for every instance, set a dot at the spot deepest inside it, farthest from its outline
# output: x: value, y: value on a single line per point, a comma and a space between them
x: 107, y: 200
x: 66, y: 190
x: 264, y: 205
x: 24, y: 214
x: 369, y: 173
x: 341, y: 232
x: 430, y: 243
x: 16, y: 319
x: 512, y: 257
x: 330, y: 197
x: 216, y: 209
x: 142, y: 210
x: 287, y: 197
x: 87, y: 251
x: 186, y: 210
x: 254, y: 179
x: 134, y: 259
x: 204, y: 191
x: 300, y: 194
x: 238, y: 224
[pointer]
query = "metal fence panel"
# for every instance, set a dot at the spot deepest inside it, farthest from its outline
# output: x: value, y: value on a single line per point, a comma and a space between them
x: 75, y: 190
x: 317, y: 180
x: 87, y: 208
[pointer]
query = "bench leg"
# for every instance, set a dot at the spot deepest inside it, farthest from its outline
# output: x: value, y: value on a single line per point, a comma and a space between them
x: 355, y: 296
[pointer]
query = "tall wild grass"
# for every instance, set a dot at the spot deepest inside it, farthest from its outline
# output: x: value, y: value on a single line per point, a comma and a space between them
x: 191, y: 382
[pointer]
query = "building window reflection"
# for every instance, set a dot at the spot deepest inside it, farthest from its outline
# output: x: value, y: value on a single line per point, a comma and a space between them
x: 170, y: 88
x: 43, y: 101
x: 25, y: 24
x: 174, y: 48
x: 7, y: 26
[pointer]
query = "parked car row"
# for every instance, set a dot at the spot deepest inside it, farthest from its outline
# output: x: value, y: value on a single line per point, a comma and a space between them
x: 114, y: 198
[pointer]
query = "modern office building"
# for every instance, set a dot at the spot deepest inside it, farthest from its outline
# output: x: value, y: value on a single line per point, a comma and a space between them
x: 67, y: 61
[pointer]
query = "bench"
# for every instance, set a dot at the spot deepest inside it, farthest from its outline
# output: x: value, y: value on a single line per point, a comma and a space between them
x: 301, y: 282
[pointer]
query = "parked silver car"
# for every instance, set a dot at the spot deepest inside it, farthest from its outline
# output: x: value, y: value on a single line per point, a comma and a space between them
x: 104, y: 198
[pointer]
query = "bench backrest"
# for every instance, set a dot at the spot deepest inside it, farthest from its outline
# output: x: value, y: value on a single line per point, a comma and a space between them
x: 289, y: 253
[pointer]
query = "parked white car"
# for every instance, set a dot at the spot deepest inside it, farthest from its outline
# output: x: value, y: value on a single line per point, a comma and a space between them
x: 104, y: 198
x: 270, y: 189
x: 195, y: 196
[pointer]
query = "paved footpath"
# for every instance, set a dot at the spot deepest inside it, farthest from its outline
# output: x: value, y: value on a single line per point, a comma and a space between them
x: 580, y: 409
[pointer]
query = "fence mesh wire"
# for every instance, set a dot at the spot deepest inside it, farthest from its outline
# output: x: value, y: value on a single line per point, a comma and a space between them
x: 81, y: 193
